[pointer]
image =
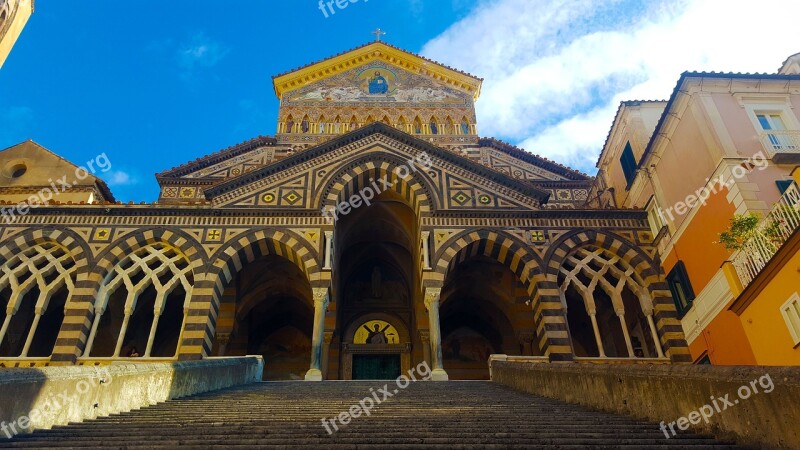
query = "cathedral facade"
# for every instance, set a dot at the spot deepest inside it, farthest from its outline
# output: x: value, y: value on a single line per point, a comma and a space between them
x: 374, y: 231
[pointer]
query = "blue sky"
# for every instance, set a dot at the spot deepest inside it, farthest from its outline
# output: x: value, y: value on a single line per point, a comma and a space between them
x: 165, y: 82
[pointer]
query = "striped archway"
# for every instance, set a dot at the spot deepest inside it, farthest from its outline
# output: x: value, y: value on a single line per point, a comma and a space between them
x: 549, y: 320
x: 198, y: 334
x: 380, y: 172
x: 47, y: 239
x: 665, y: 315
x: 83, y: 301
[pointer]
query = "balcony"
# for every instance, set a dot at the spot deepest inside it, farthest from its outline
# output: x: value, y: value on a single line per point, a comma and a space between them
x: 783, y: 147
x: 770, y: 234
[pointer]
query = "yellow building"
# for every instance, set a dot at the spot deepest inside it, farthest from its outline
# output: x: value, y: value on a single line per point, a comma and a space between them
x: 14, y: 14
x: 723, y: 144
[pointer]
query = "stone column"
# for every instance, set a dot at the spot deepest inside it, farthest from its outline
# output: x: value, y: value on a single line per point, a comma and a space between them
x: 625, y: 332
x: 591, y: 309
x: 122, y: 330
x: 425, y: 337
x: 647, y: 309
x: 432, y: 304
x: 223, y: 339
x: 592, y: 315
x: 6, y: 322
x: 328, y: 249
x: 526, y: 339
x: 426, y: 255
x: 321, y: 300
x: 326, y: 350
x: 32, y: 331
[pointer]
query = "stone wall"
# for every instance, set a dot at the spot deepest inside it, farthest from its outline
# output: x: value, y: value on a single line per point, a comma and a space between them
x: 670, y: 392
x: 43, y: 397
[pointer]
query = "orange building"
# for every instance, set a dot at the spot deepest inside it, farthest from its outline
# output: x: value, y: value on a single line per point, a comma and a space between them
x: 723, y: 144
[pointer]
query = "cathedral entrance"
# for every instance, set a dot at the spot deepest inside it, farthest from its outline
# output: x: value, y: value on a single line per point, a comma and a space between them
x: 267, y: 310
x: 484, y: 311
x: 376, y: 367
x: 375, y: 280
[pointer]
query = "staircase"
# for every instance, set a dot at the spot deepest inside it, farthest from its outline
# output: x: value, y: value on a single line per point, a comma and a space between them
x: 453, y: 415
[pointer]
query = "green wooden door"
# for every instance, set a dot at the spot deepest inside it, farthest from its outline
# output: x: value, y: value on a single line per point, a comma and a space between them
x: 376, y: 367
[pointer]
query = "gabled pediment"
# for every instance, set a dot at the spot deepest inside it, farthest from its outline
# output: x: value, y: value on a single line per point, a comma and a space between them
x: 305, y: 181
x: 372, y: 52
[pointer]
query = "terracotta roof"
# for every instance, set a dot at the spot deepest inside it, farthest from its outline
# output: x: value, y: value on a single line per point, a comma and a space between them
x: 536, y: 160
x: 367, y: 45
x: 99, y: 183
x: 787, y: 60
x: 614, y: 122
x: 718, y: 75
x: 217, y: 157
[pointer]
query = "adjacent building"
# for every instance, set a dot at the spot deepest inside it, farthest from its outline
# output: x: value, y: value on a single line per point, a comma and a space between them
x: 722, y: 145
x: 14, y: 14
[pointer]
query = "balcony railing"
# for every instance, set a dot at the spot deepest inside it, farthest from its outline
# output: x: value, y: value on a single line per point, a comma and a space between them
x: 770, y: 234
x: 782, y: 145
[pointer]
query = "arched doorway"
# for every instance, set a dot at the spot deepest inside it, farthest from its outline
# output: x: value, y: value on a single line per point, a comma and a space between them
x: 376, y: 272
x: 267, y: 310
x: 483, y: 311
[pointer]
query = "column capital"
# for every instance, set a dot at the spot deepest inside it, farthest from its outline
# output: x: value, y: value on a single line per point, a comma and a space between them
x: 327, y: 337
x: 321, y: 297
x: 432, y: 296
x: 526, y: 337
x: 425, y: 336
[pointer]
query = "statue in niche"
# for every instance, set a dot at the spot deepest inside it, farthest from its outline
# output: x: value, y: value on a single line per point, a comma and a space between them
x: 376, y: 282
x: 377, y: 336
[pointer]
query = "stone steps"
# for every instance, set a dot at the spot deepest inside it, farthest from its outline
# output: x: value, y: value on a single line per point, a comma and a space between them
x: 425, y: 415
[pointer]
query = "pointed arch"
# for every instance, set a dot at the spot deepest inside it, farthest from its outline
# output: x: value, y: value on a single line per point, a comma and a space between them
x: 506, y: 249
x: 417, y: 126
x: 289, y: 124
x: 645, y: 271
x: 512, y: 252
x: 48, y: 264
x: 379, y: 171
x: 337, y: 125
x: 449, y: 126
x: 434, y: 126
x: 466, y: 127
x: 321, y: 125
x: 402, y: 124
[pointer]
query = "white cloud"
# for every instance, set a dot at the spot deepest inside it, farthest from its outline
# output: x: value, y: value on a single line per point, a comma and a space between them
x: 201, y: 51
x: 556, y: 70
x: 119, y: 178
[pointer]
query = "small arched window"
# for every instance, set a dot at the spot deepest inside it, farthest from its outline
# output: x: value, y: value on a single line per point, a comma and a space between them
x: 290, y: 125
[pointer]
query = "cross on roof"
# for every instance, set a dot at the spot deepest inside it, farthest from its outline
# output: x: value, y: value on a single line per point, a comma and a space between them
x: 378, y: 33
